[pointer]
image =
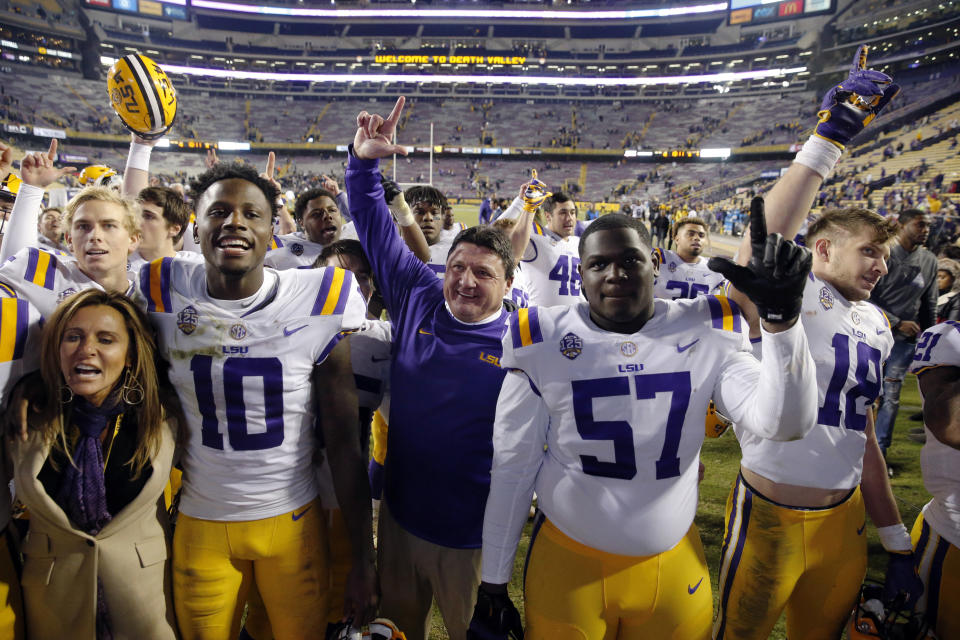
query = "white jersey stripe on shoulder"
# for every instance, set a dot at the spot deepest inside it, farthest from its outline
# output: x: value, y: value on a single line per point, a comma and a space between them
x: 146, y: 88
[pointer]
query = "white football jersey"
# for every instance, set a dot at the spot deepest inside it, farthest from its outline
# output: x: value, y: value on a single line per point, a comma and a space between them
x: 370, y: 356
x: 438, y: 258
x: 242, y: 370
x: 44, y: 278
x: 849, y: 342
x: 680, y: 279
x: 939, y: 346
x: 520, y: 289
x: 19, y: 355
x: 292, y: 251
x: 614, y: 476
x: 448, y: 235
x: 136, y: 261
x: 550, y: 264
x: 296, y: 250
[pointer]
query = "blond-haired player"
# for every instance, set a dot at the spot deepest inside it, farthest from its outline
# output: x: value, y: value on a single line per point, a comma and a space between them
x: 796, y: 514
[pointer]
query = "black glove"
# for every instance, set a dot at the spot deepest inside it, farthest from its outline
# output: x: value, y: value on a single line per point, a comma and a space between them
x: 390, y: 188
x: 776, y: 274
x: 494, y: 618
x: 903, y: 583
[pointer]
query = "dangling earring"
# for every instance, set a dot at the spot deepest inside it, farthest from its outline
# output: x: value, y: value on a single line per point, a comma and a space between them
x: 132, y: 391
x: 66, y: 394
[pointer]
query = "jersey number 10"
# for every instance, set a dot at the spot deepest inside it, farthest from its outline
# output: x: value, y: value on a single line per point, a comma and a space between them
x: 624, y: 465
x: 234, y: 371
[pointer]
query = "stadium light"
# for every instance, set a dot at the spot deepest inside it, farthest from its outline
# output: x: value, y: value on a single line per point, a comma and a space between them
x: 227, y: 145
x: 474, y: 14
x: 730, y: 76
x: 715, y: 153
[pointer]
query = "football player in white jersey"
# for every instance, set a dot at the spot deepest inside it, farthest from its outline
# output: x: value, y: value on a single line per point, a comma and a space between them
x: 797, y: 512
x: 807, y: 500
x: 450, y: 226
x: 102, y: 229
x: 684, y: 273
x: 550, y: 261
x: 936, y: 533
x: 370, y: 358
x: 317, y: 213
x: 602, y: 413
x: 252, y: 352
x: 19, y: 354
x: 164, y: 220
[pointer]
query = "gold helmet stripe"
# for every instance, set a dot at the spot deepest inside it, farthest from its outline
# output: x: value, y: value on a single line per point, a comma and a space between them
x: 149, y: 92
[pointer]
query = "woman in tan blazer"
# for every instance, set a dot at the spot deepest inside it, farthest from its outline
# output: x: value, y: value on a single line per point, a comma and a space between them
x: 91, y: 474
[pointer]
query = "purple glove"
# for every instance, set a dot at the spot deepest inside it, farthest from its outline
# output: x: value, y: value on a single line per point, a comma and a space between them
x: 851, y: 105
x: 902, y: 582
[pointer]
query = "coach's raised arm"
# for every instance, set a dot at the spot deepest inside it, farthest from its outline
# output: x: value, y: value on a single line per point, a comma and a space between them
x: 446, y: 377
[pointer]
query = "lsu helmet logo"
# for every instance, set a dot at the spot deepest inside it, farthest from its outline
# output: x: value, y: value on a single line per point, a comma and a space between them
x: 571, y: 346
x: 142, y: 95
x: 187, y: 320
x: 826, y: 299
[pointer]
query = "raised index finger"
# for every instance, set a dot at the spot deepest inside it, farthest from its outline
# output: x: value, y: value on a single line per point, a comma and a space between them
x: 394, y: 116
x: 859, y: 59
x: 758, y: 226
x: 271, y: 162
x: 52, y: 152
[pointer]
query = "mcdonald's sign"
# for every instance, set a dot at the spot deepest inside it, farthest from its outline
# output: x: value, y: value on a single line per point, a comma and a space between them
x: 791, y: 8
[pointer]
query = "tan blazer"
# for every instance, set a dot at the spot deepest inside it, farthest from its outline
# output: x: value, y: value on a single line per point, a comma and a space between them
x: 131, y: 555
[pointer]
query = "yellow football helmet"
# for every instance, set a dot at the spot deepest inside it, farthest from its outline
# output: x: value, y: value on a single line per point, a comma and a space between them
x: 142, y: 95
x: 10, y: 186
x: 97, y: 175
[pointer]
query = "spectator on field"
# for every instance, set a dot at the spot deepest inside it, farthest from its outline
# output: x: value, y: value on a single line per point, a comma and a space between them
x: 91, y: 472
x: 948, y: 285
x: 908, y: 296
x: 660, y: 227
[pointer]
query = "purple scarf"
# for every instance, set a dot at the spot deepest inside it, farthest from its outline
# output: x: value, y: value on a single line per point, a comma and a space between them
x: 83, y: 494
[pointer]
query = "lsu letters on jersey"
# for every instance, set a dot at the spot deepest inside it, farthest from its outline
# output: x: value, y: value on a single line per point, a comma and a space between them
x: 550, y: 264
x: 609, y: 426
x: 242, y: 370
x: 44, y: 278
x: 680, y: 279
x: 939, y: 346
x: 849, y: 342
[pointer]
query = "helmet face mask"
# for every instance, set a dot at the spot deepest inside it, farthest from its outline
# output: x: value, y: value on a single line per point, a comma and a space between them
x: 873, y: 619
x: 142, y: 96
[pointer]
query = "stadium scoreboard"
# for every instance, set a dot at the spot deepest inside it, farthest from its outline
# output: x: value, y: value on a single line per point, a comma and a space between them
x: 746, y: 12
x: 174, y: 9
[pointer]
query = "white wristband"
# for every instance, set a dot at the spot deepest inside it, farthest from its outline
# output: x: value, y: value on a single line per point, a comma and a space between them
x: 819, y: 155
x: 895, y: 538
x: 401, y: 212
x: 139, y: 156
